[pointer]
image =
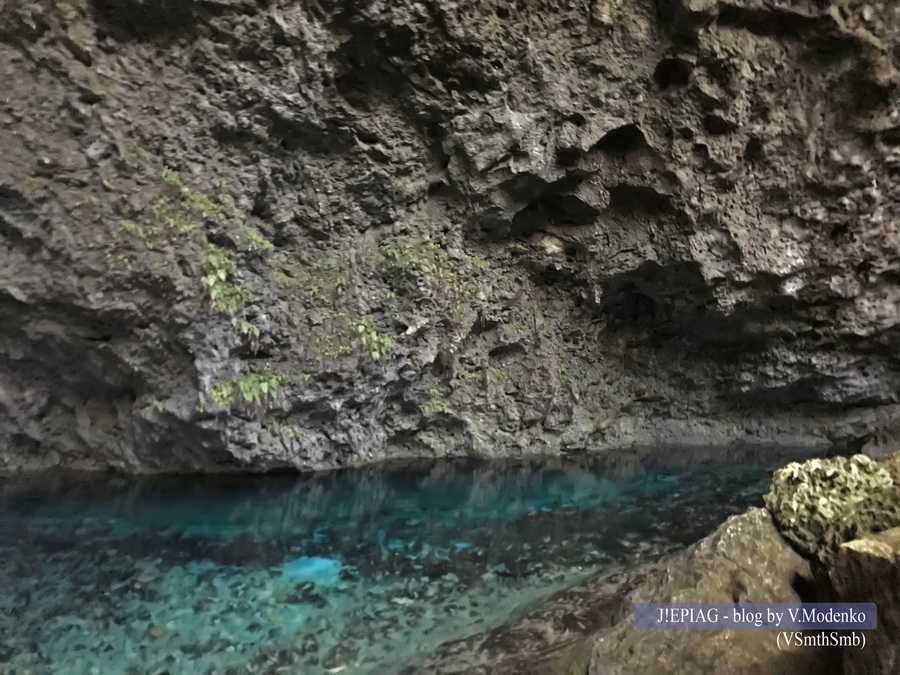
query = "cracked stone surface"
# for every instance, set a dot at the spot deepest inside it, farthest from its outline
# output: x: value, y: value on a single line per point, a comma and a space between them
x: 450, y: 228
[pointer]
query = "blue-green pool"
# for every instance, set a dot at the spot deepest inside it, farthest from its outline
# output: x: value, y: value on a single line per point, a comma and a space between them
x: 359, y: 571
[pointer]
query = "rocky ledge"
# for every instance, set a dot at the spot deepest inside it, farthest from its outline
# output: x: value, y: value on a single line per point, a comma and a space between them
x: 753, y: 557
x: 242, y: 235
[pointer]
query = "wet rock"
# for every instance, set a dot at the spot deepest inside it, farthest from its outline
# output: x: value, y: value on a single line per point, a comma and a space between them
x: 590, y: 628
x: 339, y: 657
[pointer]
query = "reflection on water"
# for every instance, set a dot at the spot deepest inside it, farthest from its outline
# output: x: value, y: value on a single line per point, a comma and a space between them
x: 356, y: 571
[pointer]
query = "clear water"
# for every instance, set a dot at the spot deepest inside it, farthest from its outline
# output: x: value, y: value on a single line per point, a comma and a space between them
x: 357, y: 572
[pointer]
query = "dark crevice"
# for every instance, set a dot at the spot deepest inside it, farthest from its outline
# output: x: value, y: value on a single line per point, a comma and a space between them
x: 622, y: 141
x: 674, y: 301
x: 769, y: 22
x: 507, y: 351
x: 718, y: 125
x: 630, y: 199
x: 672, y: 73
x: 143, y: 20
x: 568, y: 156
x: 753, y: 151
x: 552, y: 210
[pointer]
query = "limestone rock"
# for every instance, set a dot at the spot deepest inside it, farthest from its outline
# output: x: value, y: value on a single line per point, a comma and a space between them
x: 812, y: 502
x: 868, y: 570
x: 744, y: 560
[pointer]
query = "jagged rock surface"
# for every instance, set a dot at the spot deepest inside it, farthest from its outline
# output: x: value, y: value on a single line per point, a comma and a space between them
x: 822, y: 503
x: 557, y: 225
x: 868, y: 569
x: 813, y: 502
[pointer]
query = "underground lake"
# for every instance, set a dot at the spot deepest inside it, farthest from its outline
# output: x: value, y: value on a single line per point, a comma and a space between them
x: 356, y: 571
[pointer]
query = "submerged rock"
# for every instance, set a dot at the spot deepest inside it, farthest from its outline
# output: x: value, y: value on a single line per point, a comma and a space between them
x: 317, y: 569
x: 590, y: 628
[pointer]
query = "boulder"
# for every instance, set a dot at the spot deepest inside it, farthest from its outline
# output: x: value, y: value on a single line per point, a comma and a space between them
x: 808, y: 501
x: 744, y: 560
x: 822, y: 503
x: 868, y: 570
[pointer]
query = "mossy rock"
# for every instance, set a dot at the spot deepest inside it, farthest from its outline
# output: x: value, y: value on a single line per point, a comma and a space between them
x: 821, y: 503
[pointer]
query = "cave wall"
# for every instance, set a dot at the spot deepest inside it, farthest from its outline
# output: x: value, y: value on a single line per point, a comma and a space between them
x: 242, y: 234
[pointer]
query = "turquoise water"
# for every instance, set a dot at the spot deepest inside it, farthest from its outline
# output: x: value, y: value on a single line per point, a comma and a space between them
x: 359, y: 571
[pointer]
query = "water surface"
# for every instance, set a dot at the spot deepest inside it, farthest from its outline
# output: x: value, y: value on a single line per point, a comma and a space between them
x: 359, y: 571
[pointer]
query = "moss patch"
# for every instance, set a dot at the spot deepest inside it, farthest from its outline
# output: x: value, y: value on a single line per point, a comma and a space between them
x: 424, y: 263
x: 174, y: 215
x: 323, y: 280
x: 378, y: 343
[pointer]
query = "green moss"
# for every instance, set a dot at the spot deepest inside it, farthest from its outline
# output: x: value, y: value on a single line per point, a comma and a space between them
x: 8, y: 274
x: 181, y: 208
x: 435, y: 401
x: 248, y: 330
x: 422, y: 257
x: 330, y: 347
x: 257, y: 389
x: 134, y: 228
x: 322, y: 281
x: 134, y: 154
x: 285, y: 431
x: 118, y: 260
x: 253, y: 241
x: 466, y: 377
x: 427, y: 263
x: 342, y: 333
x: 433, y: 407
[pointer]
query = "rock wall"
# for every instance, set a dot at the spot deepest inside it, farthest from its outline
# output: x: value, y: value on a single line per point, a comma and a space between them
x: 242, y: 234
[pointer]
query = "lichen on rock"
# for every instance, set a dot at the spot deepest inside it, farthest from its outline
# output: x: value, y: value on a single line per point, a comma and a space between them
x: 821, y: 503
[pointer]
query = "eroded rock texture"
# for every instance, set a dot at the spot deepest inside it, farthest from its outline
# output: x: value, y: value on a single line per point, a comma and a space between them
x: 821, y: 503
x: 281, y: 233
x: 869, y: 568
